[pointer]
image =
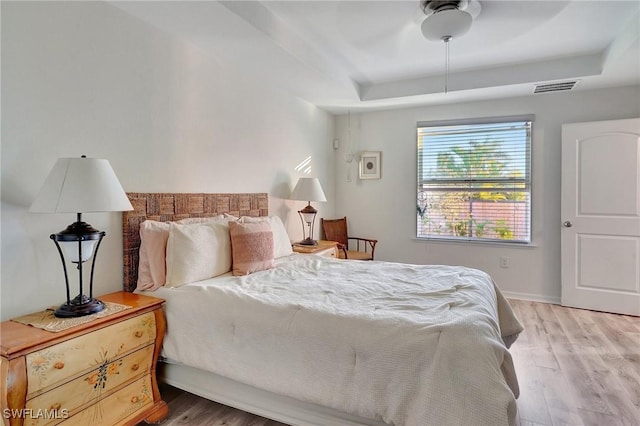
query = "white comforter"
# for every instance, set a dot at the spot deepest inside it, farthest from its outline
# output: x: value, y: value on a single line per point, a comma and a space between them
x: 411, y: 345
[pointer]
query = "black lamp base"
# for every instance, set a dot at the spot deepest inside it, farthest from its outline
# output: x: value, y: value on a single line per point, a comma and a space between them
x: 308, y: 242
x: 80, y: 306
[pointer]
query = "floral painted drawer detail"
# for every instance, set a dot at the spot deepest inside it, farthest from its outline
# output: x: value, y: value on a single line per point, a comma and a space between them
x: 76, y: 356
x: 86, y: 389
x: 117, y: 407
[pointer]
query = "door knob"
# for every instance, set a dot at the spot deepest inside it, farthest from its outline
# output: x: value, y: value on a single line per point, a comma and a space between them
x: 567, y: 224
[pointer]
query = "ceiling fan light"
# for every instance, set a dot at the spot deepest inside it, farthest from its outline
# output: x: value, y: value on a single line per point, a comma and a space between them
x: 450, y: 23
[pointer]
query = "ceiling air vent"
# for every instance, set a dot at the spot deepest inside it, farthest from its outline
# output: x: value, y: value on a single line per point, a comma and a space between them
x: 555, y: 87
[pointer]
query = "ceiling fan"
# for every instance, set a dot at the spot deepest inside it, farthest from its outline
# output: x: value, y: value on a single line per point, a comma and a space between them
x: 447, y: 19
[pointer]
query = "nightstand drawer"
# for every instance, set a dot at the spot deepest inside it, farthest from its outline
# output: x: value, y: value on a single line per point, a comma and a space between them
x: 330, y: 252
x: 82, y: 354
x: 114, y: 409
x: 93, y: 385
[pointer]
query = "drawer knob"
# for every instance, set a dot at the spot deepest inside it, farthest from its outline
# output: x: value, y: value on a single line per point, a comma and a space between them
x: 134, y: 399
x: 138, y: 333
x: 135, y: 367
x: 55, y: 407
x: 58, y: 365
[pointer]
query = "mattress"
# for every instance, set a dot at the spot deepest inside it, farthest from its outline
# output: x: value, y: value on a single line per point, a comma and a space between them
x: 405, y: 344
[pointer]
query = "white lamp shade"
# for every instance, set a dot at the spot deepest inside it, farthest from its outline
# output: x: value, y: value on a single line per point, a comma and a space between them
x: 308, y: 189
x: 446, y: 23
x: 79, y: 185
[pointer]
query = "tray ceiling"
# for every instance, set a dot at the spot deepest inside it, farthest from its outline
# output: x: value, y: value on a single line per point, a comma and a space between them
x: 350, y: 55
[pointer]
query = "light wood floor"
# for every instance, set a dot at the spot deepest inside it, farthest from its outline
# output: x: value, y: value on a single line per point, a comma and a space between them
x: 575, y: 367
x: 188, y: 409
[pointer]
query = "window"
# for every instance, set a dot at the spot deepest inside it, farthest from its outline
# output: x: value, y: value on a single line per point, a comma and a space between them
x: 474, y: 180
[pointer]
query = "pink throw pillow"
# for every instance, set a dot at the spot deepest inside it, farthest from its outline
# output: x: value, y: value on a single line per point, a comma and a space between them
x: 251, y: 247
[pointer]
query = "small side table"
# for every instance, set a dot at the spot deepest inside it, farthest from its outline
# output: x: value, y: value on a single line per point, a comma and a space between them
x: 324, y: 248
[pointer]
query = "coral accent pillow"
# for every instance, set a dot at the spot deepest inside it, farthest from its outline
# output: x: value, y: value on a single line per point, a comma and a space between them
x: 196, y: 252
x: 153, y: 244
x: 251, y: 247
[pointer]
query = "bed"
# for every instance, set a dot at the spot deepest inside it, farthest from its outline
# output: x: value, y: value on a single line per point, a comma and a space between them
x: 322, y: 341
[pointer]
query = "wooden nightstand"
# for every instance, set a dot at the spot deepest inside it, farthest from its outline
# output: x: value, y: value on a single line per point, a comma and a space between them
x: 99, y: 373
x: 324, y: 248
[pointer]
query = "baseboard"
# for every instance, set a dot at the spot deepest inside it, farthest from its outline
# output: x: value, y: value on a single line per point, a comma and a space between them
x: 531, y: 297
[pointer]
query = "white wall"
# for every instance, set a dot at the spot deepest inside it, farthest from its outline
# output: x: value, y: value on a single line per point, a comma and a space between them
x: 385, y: 209
x: 85, y: 78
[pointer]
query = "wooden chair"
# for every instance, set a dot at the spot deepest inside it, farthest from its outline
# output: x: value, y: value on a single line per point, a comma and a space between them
x: 336, y: 230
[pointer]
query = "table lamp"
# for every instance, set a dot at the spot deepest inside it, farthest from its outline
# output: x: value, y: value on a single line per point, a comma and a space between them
x: 80, y: 185
x: 308, y: 189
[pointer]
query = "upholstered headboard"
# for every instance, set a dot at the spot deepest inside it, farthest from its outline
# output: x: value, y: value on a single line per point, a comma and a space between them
x: 166, y: 207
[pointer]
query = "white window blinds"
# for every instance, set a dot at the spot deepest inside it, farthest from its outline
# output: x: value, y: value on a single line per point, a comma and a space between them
x: 474, y: 180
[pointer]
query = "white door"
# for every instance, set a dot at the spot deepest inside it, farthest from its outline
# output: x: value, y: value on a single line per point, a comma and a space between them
x: 601, y: 216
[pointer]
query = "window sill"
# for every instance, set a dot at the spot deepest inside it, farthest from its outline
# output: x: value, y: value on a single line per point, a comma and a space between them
x: 476, y: 243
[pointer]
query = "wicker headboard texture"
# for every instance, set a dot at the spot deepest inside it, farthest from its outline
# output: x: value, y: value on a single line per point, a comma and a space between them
x: 165, y: 207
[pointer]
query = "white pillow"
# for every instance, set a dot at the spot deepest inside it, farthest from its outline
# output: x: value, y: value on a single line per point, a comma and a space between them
x: 197, y: 251
x: 281, y: 242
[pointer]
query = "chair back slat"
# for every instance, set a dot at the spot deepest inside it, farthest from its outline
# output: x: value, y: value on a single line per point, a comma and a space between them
x: 335, y: 230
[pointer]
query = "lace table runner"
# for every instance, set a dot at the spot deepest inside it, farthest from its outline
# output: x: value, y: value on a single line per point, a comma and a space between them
x: 48, y: 321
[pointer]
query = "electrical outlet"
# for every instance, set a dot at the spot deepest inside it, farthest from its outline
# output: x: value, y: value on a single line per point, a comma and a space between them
x: 504, y: 262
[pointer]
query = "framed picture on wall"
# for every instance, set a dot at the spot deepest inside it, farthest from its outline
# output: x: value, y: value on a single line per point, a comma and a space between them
x: 370, y: 165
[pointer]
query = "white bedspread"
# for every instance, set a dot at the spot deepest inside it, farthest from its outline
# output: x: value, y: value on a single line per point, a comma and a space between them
x: 411, y: 345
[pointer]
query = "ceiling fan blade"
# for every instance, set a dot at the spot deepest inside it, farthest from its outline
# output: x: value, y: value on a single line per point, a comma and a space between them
x: 375, y: 26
